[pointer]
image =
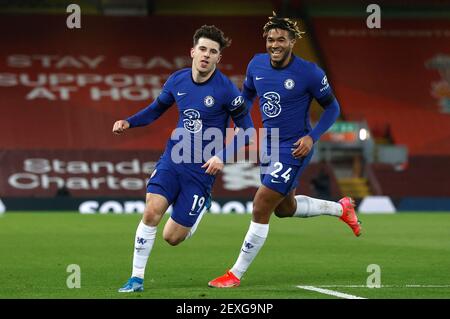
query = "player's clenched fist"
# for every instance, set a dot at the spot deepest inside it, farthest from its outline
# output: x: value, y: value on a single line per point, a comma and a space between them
x: 120, y: 126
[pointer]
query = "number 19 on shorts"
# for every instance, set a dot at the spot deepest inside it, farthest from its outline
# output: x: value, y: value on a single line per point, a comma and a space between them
x: 197, y: 204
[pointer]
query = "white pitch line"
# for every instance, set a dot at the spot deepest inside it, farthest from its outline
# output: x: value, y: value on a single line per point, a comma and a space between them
x: 384, y: 286
x: 427, y: 286
x: 330, y: 292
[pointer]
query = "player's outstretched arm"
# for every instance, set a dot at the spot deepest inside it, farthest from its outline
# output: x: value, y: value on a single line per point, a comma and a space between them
x: 149, y: 114
x: 120, y: 126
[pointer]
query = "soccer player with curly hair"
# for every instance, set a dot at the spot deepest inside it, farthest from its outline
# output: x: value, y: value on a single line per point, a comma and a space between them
x: 285, y: 85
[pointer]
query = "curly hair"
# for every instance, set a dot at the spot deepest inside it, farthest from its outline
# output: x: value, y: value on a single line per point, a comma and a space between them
x: 287, y: 24
x: 213, y: 33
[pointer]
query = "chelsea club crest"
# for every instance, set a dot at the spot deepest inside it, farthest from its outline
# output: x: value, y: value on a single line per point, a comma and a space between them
x: 289, y: 84
x: 208, y: 101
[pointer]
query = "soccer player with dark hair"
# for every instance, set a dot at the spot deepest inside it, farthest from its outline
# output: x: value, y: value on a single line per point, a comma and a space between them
x: 286, y: 85
x: 206, y: 100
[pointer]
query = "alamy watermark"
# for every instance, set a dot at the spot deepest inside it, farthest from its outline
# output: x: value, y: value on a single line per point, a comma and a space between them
x: 374, y: 279
x: 73, y: 21
x: 373, y: 21
x: 192, y: 145
x: 74, y: 279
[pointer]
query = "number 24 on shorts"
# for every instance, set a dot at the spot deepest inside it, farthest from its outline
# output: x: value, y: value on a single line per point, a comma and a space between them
x: 278, y: 168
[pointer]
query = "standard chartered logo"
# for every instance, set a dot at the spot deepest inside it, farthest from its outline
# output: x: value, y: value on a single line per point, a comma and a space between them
x: 271, y: 106
x: 45, y: 174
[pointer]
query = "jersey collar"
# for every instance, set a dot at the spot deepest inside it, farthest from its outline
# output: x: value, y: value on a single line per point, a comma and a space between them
x: 285, y: 67
x: 203, y: 83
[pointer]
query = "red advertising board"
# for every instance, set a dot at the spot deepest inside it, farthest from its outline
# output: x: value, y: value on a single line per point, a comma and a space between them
x: 112, y: 173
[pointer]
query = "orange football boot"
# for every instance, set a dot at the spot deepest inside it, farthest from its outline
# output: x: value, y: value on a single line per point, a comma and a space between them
x: 349, y: 216
x: 229, y: 280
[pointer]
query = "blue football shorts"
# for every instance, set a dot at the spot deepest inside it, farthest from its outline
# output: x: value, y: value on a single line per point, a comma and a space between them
x: 186, y: 190
x: 283, y: 175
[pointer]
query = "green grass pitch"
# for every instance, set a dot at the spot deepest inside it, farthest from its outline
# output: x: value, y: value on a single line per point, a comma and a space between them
x: 410, y: 248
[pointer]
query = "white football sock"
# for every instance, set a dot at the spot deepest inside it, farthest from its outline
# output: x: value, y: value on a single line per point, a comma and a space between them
x: 145, y: 237
x: 311, y: 207
x: 194, y: 227
x: 254, y: 240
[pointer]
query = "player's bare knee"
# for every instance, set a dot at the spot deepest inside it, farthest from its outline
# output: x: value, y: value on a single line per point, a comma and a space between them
x: 286, y: 208
x: 256, y: 212
x: 281, y: 213
x: 151, y: 217
x: 172, y: 240
x: 260, y: 216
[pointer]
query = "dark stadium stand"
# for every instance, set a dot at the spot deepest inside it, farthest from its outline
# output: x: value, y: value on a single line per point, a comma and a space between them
x: 397, y: 80
x: 377, y: 79
x: 425, y: 176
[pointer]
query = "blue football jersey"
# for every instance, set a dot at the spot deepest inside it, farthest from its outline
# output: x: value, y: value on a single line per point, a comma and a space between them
x: 200, y: 106
x: 285, y: 95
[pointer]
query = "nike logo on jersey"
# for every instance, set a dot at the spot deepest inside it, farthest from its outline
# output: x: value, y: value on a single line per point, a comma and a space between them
x: 181, y: 93
x: 192, y: 214
x: 259, y: 78
x: 274, y: 181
